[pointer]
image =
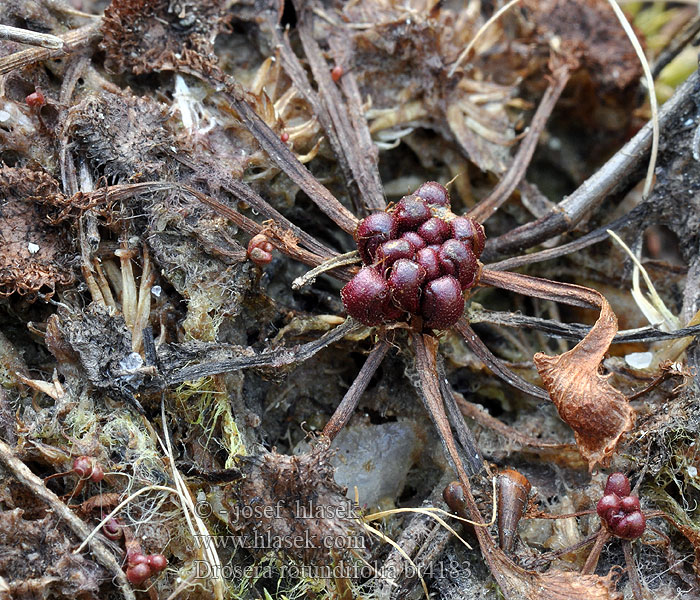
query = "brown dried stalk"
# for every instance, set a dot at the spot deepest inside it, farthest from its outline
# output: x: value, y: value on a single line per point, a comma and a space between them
x: 494, y: 363
x: 425, y: 347
x: 615, y: 176
x: 72, y: 41
x: 347, y: 405
x: 338, y: 123
x: 280, y: 154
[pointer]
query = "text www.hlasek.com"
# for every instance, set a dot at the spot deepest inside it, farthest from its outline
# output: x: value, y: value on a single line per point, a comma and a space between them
x: 269, y: 541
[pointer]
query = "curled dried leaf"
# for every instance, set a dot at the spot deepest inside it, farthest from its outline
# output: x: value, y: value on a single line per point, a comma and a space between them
x: 597, y: 412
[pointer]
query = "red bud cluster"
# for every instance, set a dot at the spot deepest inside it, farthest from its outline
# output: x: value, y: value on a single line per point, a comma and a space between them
x: 621, y: 512
x: 87, y: 467
x: 142, y: 566
x: 419, y: 259
x: 260, y: 250
x: 112, y: 529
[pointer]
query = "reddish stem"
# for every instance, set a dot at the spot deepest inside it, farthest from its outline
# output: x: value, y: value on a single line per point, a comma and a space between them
x: 349, y: 402
x: 592, y: 560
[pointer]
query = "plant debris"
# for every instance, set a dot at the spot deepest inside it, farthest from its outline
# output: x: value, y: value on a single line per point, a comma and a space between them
x: 247, y: 245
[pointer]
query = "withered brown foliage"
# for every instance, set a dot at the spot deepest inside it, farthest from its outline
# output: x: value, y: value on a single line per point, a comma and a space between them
x: 36, y: 560
x: 143, y: 35
x: 295, y: 500
x: 108, y: 128
x: 188, y: 129
x: 592, y: 35
x: 597, y: 412
x: 33, y: 257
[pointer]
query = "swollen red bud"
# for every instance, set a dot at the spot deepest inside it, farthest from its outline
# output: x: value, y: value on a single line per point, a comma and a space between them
x: 631, y: 526
x: 434, y: 193
x: 458, y: 260
x: 82, y: 467
x: 372, y: 231
x: 405, y: 280
x: 97, y: 474
x: 619, y: 484
x: 428, y: 259
x: 411, y: 212
x: 112, y: 529
x: 417, y: 241
x: 466, y: 229
x: 389, y: 252
x: 157, y: 562
x: 434, y: 231
x: 366, y: 297
x: 608, y: 504
x: 139, y: 573
x: 629, y: 504
x: 443, y: 303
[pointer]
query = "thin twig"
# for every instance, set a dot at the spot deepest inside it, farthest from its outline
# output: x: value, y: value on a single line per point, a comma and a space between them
x: 425, y: 347
x: 677, y: 44
x: 574, y: 331
x: 614, y: 175
x: 243, y: 192
x: 568, y: 293
x: 546, y: 557
x: 360, y: 174
x: 73, y: 40
x: 278, y: 151
x: 475, y: 460
x: 347, y: 405
x: 632, y: 219
x: 31, y: 38
x: 81, y: 529
x: 476, y: 412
